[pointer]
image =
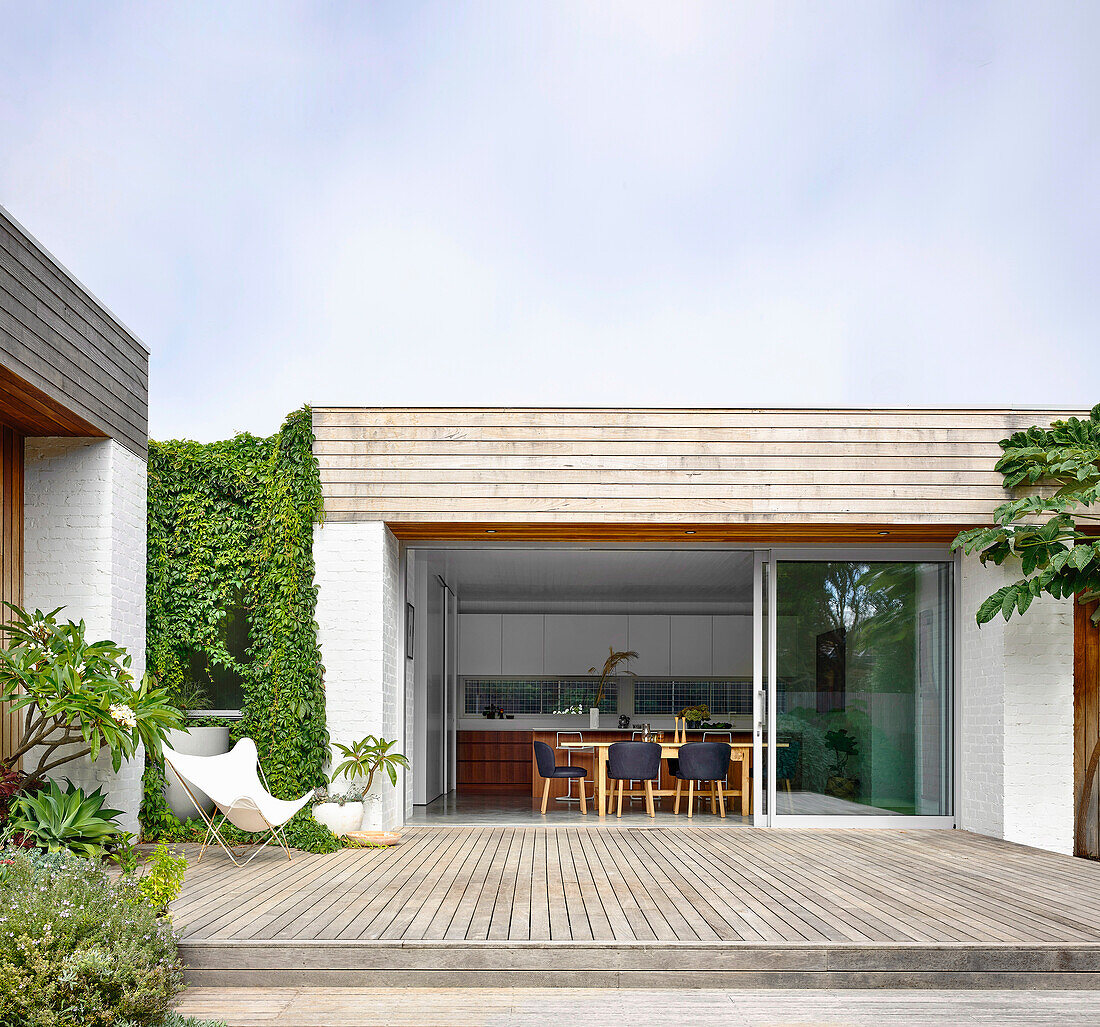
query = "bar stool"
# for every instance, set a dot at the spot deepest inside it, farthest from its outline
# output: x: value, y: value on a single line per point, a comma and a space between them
x: 579, y: 736
x: 634, y: 736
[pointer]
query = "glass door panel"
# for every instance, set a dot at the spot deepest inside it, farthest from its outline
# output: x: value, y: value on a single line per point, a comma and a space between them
x: 862, y: 688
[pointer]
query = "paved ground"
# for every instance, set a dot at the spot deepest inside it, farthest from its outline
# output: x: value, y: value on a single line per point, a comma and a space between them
x: 594, y: 1007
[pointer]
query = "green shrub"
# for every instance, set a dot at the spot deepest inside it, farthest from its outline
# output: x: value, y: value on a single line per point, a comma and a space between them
x: 301, y: 831
x: 175, y: 1020
x: 56, y: 818
x: 162, y: 878
x: 78, y: 949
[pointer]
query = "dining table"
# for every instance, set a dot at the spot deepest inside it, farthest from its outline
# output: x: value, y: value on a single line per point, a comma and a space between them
x: 739, y: 753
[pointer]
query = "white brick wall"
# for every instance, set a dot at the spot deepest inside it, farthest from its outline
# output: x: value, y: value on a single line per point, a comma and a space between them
x: 358, y: 617
x: 1016, y: 737
x: 85, y: 550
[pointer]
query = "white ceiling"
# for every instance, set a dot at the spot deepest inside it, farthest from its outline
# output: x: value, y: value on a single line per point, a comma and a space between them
x: 499, y: 580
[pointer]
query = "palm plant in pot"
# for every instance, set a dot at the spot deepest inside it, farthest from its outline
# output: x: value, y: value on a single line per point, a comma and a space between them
x: 362, y: 760
x: 614, y: 664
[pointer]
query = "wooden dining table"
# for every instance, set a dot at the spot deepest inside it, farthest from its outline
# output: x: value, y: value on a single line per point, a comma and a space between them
x: 740, y: 753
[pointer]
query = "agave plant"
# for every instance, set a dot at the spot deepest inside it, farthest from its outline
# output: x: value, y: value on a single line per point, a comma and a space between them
x: 53, y: 819
x: 365, y: 757
x: 611, y: 665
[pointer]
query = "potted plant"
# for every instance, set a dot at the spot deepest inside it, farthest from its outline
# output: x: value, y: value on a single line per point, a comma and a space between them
x: 611, y: 666
x: 840, y: 784
x: 363, y: 760
x: 197, y: 736
x: 340, y: 813
x: 695, y: 715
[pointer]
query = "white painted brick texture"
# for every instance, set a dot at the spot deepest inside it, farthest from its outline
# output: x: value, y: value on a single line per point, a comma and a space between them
x: 1016, y: 751
x: 358, y: 617
x: 85, y: 548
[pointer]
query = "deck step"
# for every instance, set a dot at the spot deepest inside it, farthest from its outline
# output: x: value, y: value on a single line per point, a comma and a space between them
x: 273, y: 964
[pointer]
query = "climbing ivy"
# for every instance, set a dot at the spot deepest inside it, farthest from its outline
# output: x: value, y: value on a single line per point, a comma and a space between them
x: 230, y: 525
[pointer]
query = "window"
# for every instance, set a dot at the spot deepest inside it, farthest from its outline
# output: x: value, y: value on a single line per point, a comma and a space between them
x: 661, y: 696
x: 219, y: 687
x: 537, y: 695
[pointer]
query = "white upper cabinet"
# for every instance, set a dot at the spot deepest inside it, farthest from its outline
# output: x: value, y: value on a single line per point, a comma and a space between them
x: 575, y: 642
x: 691, y: 646
x: 732, y: 646
x: 522, y: 644
x: 479, y: 638
x: 648, y: 636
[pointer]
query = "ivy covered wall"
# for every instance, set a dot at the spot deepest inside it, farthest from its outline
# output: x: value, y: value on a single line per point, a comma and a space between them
x: 231, y: 537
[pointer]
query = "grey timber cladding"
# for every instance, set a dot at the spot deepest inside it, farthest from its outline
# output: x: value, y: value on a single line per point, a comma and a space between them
x: 55, y: 335
x: 720, y: 466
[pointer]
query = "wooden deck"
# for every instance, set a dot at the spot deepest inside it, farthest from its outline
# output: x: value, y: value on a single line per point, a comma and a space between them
x: 533, y: 901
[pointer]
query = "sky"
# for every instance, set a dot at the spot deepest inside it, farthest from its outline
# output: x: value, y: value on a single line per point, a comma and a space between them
x: 569, y: 204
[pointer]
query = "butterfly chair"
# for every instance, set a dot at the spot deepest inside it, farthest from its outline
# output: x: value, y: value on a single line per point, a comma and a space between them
x: 233, y: 784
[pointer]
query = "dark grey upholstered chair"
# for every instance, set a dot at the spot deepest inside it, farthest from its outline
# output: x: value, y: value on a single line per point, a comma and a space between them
x: 702, y: 761
x: 544, y: 759
x: 634, y: 761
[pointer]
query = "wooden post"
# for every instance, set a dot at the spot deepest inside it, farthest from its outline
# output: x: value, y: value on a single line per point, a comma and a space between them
x: 1086, y: 729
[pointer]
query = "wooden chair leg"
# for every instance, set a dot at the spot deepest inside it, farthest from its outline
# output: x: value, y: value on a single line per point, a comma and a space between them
x: 713, y: 803
x: 584, y: 801
x: 691, y: 798
x: 676, y: 804
x: 790, y: 798
x: 721, y: 803
x: 649, y: 799
x: 619, y: 810
x: 545, y: 795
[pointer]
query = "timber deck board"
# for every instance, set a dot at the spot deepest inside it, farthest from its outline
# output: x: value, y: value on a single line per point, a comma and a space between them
x: 658, y: 886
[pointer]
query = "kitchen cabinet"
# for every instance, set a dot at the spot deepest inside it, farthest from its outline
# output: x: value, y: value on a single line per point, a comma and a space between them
x: 732, y: 647
x: 647, y: 635
x: 479, y: 644
x: 691, y: 647
x: 522, y: 641
x: 575, y: 642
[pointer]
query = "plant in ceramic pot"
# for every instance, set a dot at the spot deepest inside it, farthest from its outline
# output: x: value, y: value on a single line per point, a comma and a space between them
x: 841, y: 784
x: 363, y: 760
x: 340, y: 813
x: 198, y: 736
x: 614, y: 664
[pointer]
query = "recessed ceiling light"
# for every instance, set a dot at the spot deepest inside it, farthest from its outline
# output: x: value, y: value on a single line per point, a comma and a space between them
x: 689, y: 532
x: 490, y: 531
x: 884, y: 533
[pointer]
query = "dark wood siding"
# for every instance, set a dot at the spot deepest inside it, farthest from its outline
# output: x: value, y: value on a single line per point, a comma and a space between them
x: 1086, y: 722
x: 58, y: 339
x: 11, y: 553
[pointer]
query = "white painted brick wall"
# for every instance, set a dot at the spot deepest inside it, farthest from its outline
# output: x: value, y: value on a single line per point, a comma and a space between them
x: 1016, y: 738
x: 358, y: 618
x: 85, y: 548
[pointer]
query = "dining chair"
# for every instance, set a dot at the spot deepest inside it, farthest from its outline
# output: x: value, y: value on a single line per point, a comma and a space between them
x: 706, y: 762
x: 634, y: 761
x: 725, y: 736
x: 550, y: 770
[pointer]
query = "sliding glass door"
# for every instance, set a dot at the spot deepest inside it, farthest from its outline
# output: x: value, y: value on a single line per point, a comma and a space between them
x: 857, y: 707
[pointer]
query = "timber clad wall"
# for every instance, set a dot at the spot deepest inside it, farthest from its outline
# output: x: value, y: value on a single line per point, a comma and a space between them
x: 719, y: 467
x: 71, y: 353
x: 1086, y: 720
x: 11, y: 553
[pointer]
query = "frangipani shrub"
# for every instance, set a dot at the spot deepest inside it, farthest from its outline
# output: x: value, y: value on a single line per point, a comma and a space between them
x: 77, y: 697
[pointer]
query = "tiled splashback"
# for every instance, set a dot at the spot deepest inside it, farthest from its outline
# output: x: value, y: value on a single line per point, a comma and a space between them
x: 652, y: 696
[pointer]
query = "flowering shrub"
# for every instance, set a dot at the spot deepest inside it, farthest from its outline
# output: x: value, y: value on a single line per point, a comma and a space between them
x: 80, y: 950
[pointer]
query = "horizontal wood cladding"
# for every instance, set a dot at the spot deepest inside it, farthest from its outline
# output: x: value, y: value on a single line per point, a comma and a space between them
x: 469, y: 469
x: 59, y: 341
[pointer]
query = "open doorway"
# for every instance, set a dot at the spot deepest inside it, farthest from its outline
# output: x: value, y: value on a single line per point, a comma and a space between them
x: 503, y: 643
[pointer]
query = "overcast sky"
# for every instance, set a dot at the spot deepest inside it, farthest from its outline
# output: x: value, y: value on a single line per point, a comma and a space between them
x: 736, y: 204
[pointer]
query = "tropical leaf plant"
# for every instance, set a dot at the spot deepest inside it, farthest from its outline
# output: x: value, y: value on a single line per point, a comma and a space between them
x: 614, y: 664
x: 79, y: 696
x: 366, y: 757
x: 54, y: 819
x: 1046, y: 531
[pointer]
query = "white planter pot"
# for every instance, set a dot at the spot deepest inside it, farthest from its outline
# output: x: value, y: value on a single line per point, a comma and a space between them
x: 339, y: 818
x: 198, y: 741
x: 373, y: 813
x: 594, y: 718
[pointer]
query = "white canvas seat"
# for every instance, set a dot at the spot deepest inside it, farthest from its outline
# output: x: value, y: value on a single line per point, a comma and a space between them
x: 232, y: 780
